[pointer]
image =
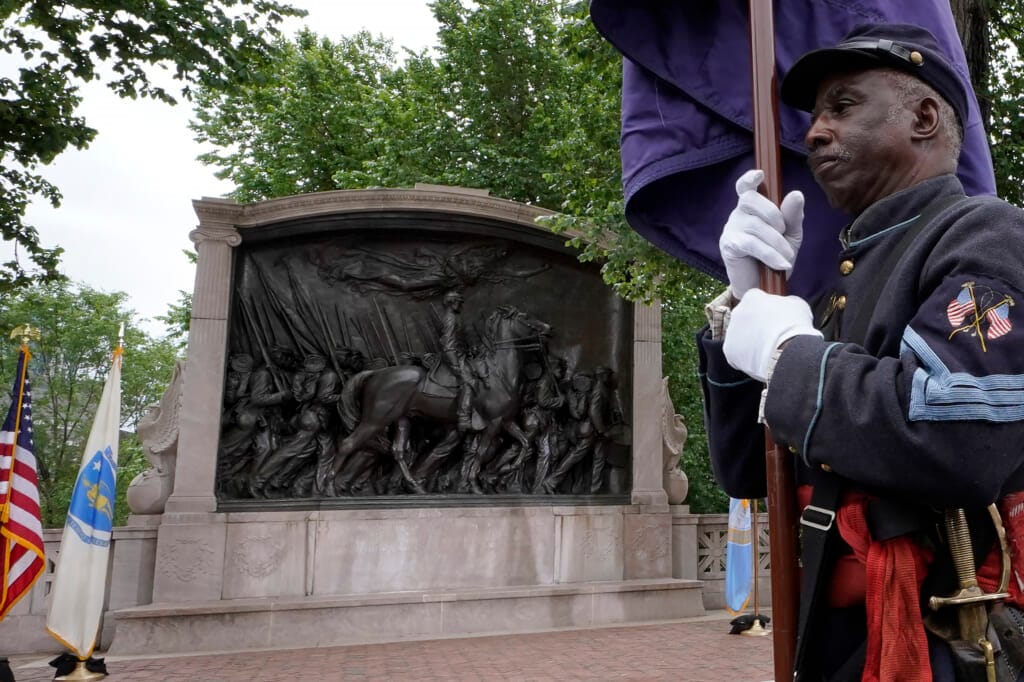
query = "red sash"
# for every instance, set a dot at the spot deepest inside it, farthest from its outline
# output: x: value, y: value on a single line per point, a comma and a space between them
x: 886, y: 576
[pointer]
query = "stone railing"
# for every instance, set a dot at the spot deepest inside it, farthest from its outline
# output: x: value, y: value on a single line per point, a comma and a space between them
x: 129, y: 580
x: 707, y: 534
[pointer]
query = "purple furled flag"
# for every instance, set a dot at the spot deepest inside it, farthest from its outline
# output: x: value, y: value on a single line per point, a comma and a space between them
x: 687, y: 116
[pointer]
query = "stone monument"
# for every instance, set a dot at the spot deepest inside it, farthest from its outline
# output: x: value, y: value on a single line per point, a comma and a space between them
x: 406, y: 413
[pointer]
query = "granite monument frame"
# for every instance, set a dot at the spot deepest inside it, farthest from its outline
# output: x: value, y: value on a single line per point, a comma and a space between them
x: 241, y: 577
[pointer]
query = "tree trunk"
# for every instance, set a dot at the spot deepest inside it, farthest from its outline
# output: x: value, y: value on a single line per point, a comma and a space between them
x: 972, y: 23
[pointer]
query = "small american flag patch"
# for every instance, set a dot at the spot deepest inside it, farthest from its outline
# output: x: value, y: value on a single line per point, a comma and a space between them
x: 998, y: 321
x: 960, y: 307
x: 980, y: 312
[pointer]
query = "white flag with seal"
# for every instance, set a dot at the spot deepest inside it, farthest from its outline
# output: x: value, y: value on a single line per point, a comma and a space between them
x: 80, y: 582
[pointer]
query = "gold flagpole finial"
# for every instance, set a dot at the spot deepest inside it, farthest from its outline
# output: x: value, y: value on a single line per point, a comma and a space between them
x: 25, y: 333
x: 119, y: 351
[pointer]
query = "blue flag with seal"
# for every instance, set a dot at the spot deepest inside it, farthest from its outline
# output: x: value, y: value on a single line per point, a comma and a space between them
x: 739, y: 557
x: 80, y: 582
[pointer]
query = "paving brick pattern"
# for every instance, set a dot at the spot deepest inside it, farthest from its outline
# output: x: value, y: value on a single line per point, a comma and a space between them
x: 700, y: 650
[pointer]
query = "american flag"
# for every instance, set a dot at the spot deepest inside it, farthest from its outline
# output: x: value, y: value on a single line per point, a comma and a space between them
x: 998, y: 321
x: 21, y: 529
x: 960, y: 307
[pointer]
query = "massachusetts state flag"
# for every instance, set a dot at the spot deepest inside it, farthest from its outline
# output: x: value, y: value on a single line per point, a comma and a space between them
x: 80, y: 583
x: 21, y: 529
x: 739, y: 557
x: 960, y: 307
x: 998, y: 321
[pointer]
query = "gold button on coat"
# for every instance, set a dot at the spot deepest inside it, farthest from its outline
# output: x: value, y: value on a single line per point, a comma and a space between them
x: 846, y: 267
x: 825, y: 467
x: 841, y: 303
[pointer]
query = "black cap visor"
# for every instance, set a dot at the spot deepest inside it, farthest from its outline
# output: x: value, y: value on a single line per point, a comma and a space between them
x: 800, y: 86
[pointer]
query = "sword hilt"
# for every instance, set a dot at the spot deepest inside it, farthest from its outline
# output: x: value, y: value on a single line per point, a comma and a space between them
x: 959, y: 537
x: 960, y: 548
x: 970, y: 598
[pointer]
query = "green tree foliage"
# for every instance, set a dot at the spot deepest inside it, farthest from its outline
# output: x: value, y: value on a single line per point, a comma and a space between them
x: 345, y: 114
x: 59, y: 45
x: 312, y: 113
x: 179, y: 313
x: 500, y: 84
x: 69, y: 365
x: 1005, y: 94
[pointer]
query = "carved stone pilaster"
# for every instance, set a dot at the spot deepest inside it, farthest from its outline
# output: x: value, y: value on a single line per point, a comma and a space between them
x: 215, y: 237
x: 647, y: 436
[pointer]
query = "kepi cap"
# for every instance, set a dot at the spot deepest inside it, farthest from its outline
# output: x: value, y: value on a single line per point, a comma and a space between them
x: 904, y: 47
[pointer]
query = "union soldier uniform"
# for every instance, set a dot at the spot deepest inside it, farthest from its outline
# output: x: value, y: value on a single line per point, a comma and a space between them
x: 454, y: 352
x: 909, y: 402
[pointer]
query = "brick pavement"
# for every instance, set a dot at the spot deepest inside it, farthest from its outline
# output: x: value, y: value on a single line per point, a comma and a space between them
x: 698, y: 650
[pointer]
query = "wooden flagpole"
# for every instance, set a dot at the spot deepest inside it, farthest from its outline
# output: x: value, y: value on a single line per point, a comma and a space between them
x: 755, y: 629
x: 754, y: 542
x: 782, y: 521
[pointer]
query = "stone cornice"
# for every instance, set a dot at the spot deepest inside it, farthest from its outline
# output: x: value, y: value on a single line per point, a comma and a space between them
x: 217, y: 219
x: 453, y: 200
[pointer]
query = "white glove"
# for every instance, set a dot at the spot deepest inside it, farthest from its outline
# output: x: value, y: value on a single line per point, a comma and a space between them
x: 760, y: 323
x: 759, y: 231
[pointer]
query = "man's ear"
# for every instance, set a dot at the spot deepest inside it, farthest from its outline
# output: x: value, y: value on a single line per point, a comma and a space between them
x: 926, y: 119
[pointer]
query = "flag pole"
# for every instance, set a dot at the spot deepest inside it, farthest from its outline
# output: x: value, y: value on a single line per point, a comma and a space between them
x: 756, y: 545
x: 782, y: 522
x: 756, y: 626
x: 24, y: 334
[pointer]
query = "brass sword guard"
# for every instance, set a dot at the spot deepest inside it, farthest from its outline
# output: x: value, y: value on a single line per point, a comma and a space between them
x: 970, y: 598
x: 963, y: 558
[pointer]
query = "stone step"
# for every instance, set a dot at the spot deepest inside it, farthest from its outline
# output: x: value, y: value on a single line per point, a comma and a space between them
x: 248, y: 624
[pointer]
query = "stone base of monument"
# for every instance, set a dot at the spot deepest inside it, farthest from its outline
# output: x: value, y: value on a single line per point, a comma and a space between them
x: 247, y: 624
x: 248, y: 580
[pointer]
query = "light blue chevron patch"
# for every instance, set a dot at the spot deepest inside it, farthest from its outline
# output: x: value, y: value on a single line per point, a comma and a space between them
x: 940, y: 395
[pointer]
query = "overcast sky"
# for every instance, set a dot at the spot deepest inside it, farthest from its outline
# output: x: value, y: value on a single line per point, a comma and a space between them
x: 127, y: 207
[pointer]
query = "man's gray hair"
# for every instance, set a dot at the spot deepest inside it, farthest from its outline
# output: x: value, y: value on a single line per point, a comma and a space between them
x: 910, y: 89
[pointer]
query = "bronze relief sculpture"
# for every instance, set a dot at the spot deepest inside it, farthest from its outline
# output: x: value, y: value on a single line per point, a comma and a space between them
x: 363, y: 367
